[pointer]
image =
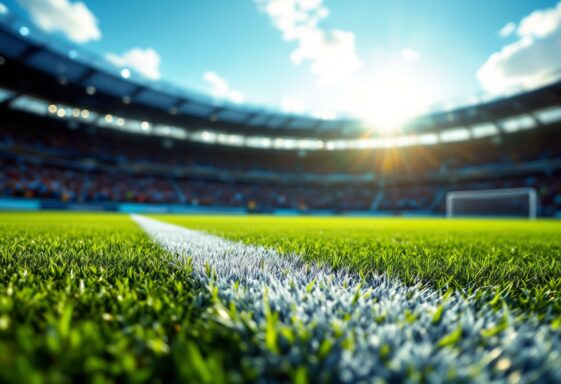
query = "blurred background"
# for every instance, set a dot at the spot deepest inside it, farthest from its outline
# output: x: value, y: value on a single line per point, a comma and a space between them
x: 362, y: 109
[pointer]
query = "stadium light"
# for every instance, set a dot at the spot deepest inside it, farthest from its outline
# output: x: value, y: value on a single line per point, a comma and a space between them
x: 384, y: 142
x: 167, y: 131
x: 211, y: 136
x: 125, y: 73
x: 518, y: 123
x: 285, y: 143
x: 428, y: 139
x: 258, y: 142
x: 405, y: 141
x: 484, y: 130
x: 208, y: 137
x: 338, y: 144
x: 456, y: 134
x: 235, y: 140
x: 549, y: 115
x: 163, y: 130
x: 310, y: 144
x: 363, y: 143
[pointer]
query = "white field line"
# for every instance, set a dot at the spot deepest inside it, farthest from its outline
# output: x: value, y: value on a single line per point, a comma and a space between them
x: 381, y: 327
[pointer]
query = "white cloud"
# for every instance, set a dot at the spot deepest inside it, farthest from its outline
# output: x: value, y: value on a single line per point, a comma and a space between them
x: 541, y: 23
x: 144, y: 61
x: 73, y: 19
x: 508, y: 29
x: 410, y: 54
x: 331, y: 53
x: 531, y: 61
x: 220, y: 89
x: 292, y: 105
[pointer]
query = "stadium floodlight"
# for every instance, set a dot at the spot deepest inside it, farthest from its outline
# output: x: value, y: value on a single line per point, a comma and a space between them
x: 507, y: 202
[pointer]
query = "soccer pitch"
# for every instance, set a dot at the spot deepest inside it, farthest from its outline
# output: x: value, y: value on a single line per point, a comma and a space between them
x: 111, y: 297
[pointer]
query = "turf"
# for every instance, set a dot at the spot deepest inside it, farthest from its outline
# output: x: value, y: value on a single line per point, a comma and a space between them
x: 520, y: 260
x: 337, y: 326
x: 89, y: 297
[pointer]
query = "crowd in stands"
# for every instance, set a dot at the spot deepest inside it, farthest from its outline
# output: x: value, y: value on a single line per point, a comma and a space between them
x: 25, y: 179
x: 48, y: 163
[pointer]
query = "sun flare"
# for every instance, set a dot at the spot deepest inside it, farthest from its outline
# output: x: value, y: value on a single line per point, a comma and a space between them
x: 391, y: 97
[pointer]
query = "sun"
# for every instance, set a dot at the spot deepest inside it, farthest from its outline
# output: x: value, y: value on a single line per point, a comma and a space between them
x: 389, y: 98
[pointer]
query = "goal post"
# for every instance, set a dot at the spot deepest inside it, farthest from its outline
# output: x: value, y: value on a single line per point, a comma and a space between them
x: 507, y: 202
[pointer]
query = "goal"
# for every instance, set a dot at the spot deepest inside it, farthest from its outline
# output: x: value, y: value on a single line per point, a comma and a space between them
x: 508, y: 202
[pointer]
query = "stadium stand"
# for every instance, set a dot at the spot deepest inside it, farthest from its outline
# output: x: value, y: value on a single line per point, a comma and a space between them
x: 71, y: 165
x: 76, y: 133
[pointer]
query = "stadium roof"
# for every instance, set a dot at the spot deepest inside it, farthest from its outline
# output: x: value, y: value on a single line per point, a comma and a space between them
x: 46, y: 70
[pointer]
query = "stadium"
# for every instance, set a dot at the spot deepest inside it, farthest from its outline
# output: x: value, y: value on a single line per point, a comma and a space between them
x: 151, y: 233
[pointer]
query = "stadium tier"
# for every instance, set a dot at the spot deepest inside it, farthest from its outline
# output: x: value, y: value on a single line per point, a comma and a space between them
x: 43, y: 158
x: 77, y: 132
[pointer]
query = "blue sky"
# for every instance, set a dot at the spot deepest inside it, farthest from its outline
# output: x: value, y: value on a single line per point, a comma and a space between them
x: 314, y: 56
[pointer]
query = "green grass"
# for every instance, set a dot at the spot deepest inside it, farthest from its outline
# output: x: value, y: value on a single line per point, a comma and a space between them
x: 91, y: 298
x: 520, y: 260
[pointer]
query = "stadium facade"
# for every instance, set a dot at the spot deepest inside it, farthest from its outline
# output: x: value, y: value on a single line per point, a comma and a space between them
x: 79, y: 133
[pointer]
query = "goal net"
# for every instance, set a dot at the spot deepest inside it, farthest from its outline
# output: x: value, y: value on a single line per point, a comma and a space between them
x: 510, y: 202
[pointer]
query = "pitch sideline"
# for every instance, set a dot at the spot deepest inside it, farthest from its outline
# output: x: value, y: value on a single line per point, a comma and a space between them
x: 376, y: 327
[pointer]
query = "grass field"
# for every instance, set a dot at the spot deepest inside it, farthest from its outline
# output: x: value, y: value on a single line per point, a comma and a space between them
x: 519, y: 259
x: 91, y: 297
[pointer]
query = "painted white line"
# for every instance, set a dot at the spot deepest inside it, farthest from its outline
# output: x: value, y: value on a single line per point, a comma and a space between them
x: 379, y: 327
